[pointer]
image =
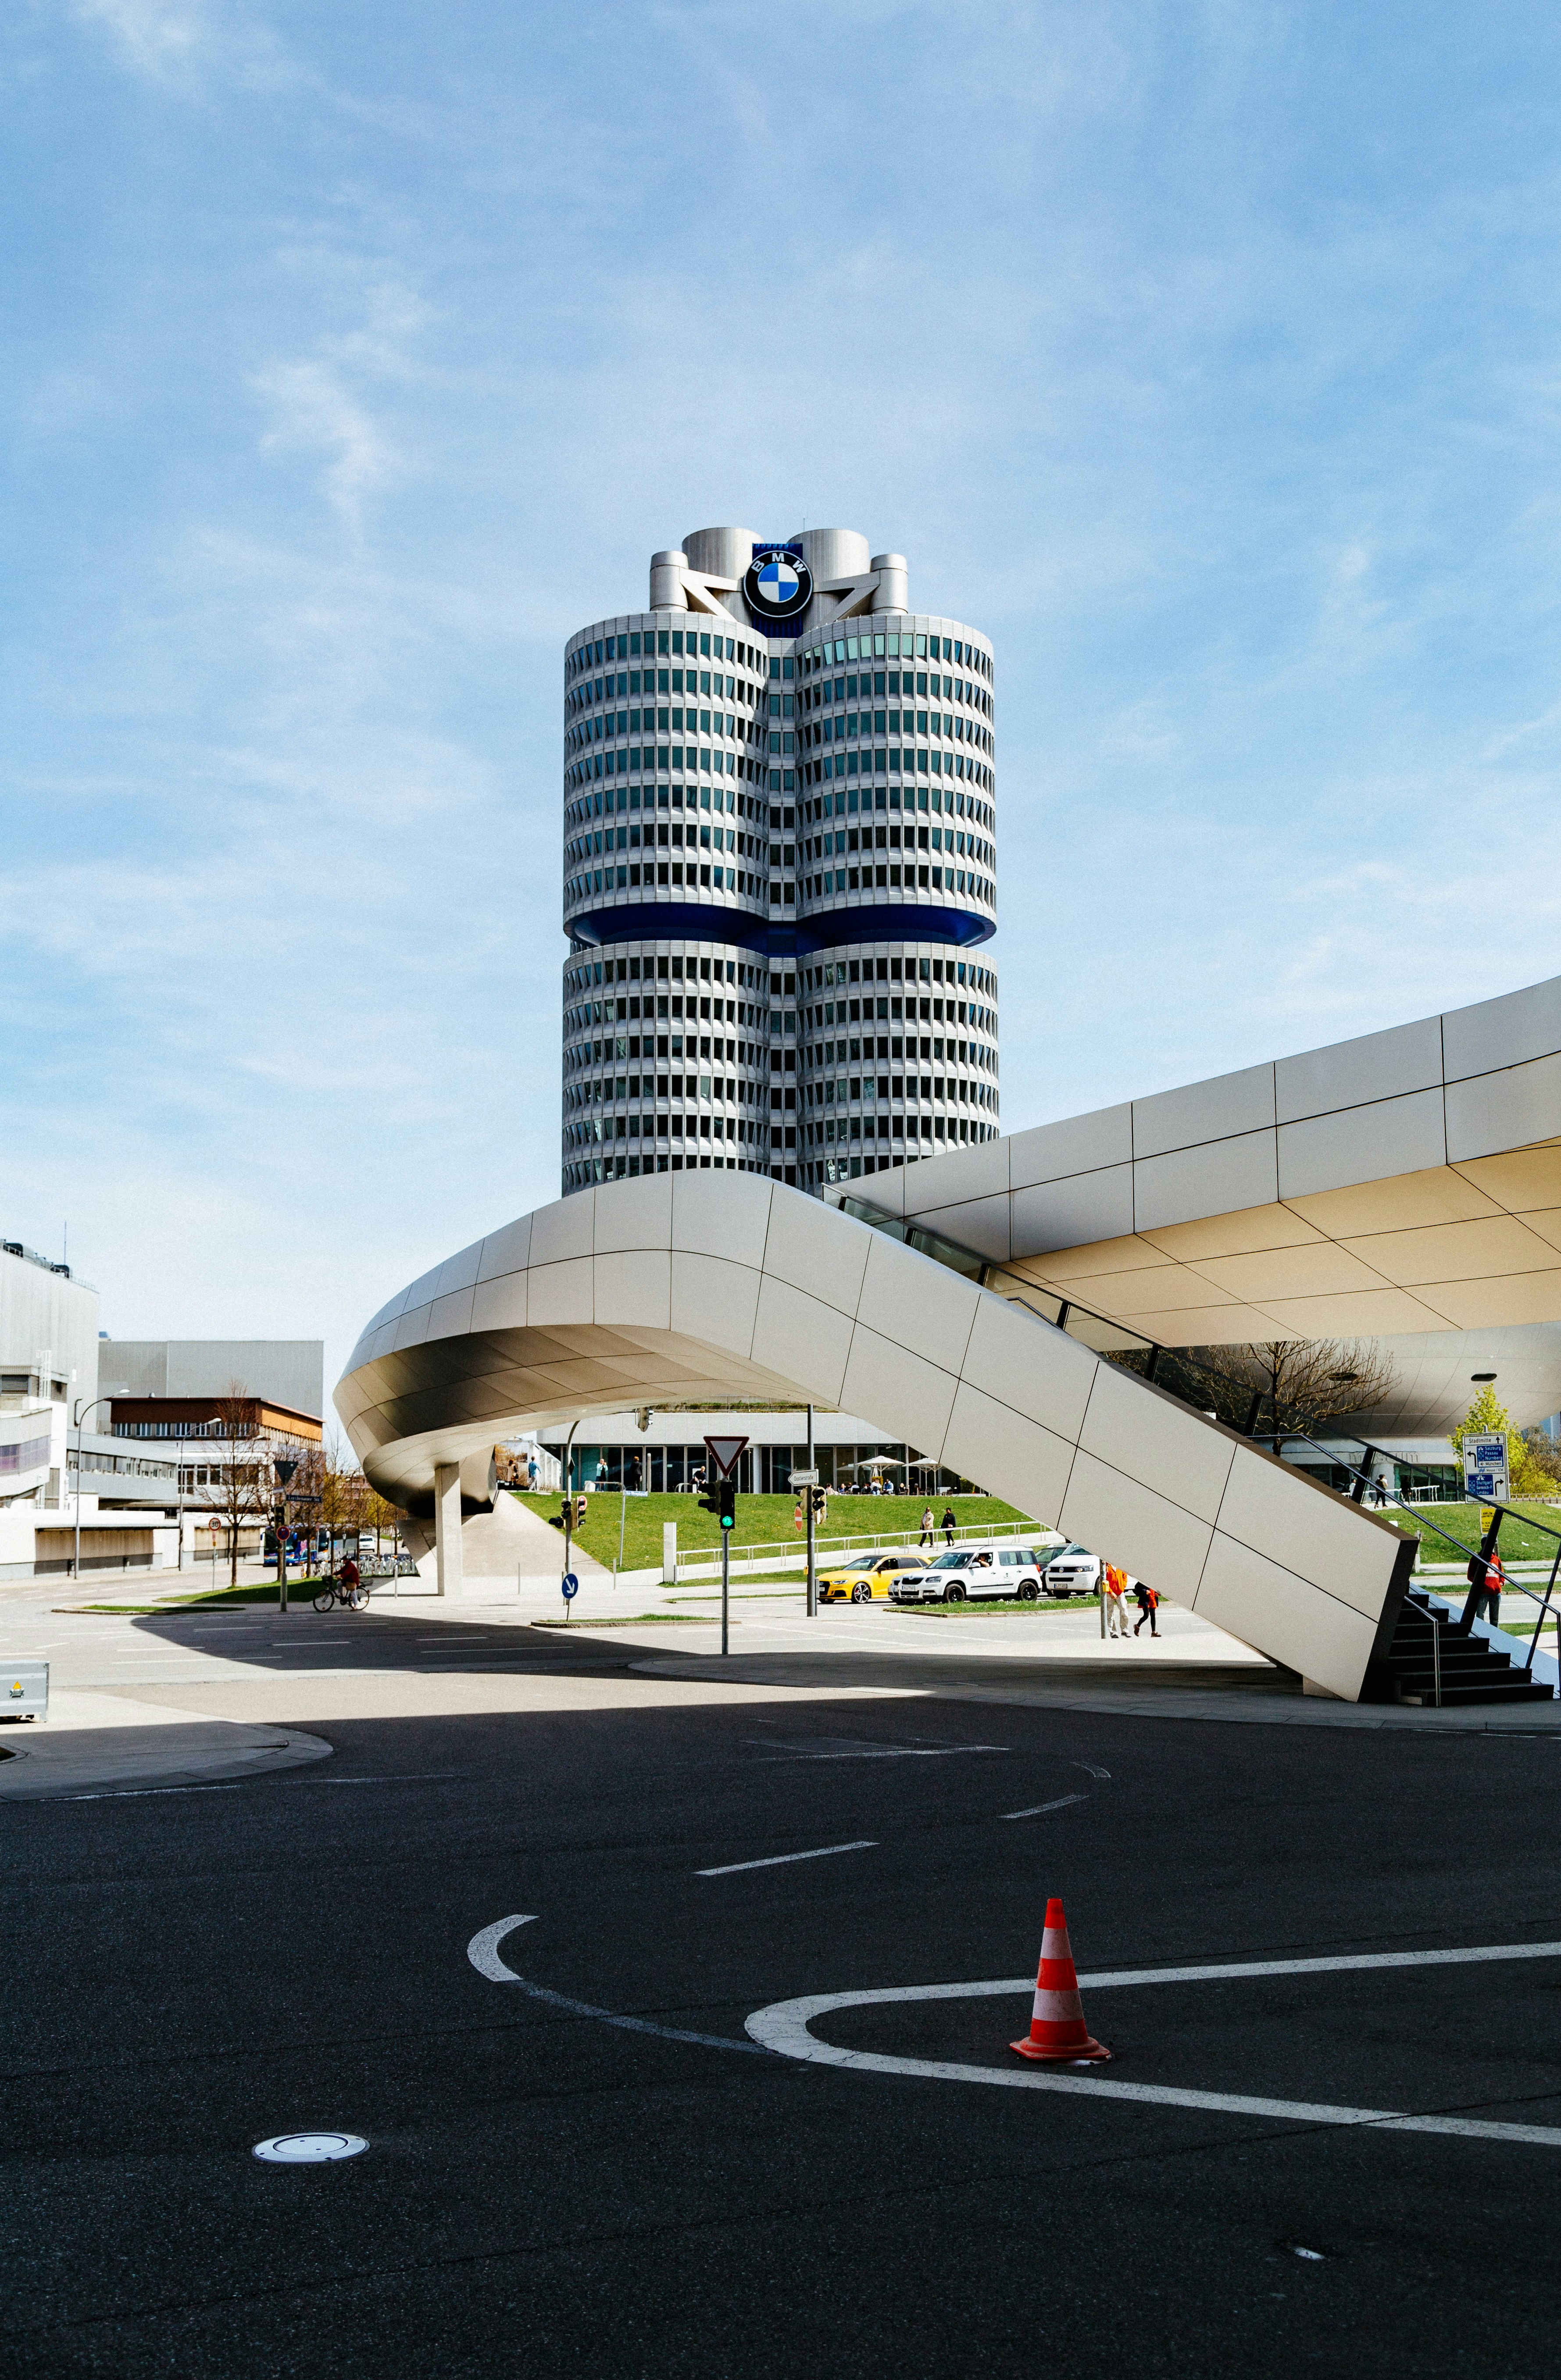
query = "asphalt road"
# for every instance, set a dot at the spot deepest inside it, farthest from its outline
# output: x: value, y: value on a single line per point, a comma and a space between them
x: 188, y: 1971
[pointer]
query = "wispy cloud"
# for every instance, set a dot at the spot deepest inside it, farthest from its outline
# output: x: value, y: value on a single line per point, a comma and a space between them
x: 317, y: 414
x: 176, y: 41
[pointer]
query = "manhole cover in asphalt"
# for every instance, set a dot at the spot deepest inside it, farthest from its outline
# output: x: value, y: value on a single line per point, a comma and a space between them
x: 309, y: 2148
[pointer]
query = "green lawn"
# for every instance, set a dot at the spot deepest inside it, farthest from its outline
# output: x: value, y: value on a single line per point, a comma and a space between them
x: 1461, y: 1521
x: 300, y: 1590
x: 1003, y: 1609
x: 760, y: 1520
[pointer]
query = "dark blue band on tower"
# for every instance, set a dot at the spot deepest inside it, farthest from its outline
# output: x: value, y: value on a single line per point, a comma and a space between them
x: 696, y: 921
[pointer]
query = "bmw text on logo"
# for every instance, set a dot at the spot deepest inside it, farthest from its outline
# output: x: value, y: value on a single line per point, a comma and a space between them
x: 778, y: 584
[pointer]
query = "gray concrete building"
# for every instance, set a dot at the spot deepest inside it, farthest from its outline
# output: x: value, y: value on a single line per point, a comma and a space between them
x: 288, y: 1372
x: 779, y: 870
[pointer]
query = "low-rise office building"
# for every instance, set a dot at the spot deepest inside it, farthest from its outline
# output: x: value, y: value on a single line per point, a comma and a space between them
x: 108, y: 1449
x: 669, y: 1456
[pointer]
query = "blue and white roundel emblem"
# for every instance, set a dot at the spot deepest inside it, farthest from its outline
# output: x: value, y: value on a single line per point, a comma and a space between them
x: 778, y: 586
x: 779, y: 582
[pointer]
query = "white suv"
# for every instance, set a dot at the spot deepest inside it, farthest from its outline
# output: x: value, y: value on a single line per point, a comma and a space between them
x: 969, y: 1573
x: 1074, y: 1571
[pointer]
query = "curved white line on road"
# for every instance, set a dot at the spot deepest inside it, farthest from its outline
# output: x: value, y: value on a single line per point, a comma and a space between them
x: 483, y: 1952
x: 784, y: 2028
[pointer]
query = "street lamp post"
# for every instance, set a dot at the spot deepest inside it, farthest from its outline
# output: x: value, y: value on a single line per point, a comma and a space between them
x: 78, y: 1412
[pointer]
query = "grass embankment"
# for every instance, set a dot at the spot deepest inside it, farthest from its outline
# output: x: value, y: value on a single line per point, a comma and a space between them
x: 644, y: 1619
x: 760, y: 1520
x: 262, y: 1591
x: 1003, y: 1609
x: 1520, y: 1542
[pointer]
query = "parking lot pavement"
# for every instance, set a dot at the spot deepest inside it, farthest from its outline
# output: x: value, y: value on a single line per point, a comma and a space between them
x: 595, y: 2166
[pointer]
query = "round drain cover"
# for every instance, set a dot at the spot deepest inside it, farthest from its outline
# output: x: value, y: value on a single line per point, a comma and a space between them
x: 309, y: 2148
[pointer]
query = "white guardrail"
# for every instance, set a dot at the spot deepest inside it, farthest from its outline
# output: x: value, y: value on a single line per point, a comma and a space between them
x: 790, y: 1553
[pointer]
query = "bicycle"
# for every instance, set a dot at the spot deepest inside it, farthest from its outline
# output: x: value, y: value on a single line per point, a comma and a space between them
x: 351, y: 1598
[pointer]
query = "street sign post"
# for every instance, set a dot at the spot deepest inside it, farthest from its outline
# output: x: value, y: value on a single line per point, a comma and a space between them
x: 1485, y: 1468
x: 803, y: 1478
x: 725, y: 1454
x: 808, y: 1483
x: 571, y: 1587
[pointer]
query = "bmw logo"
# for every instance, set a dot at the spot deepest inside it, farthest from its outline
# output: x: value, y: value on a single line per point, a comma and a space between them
x: 779, y: 585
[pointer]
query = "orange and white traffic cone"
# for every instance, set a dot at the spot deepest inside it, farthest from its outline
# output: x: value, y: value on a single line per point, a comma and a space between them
x: 1058, y: 2030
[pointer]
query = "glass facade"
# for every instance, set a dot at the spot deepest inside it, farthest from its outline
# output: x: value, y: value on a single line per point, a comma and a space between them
x: 779, y: 865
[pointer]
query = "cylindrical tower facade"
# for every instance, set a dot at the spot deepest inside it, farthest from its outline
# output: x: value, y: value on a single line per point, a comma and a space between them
x: 779, y: 865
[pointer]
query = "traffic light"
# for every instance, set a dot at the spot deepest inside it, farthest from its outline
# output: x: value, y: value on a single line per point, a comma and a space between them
x: 721, y: 1500
x: 820, y: 1503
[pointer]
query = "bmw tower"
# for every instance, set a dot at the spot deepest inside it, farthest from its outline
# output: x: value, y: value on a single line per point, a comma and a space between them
x: 779, y: 869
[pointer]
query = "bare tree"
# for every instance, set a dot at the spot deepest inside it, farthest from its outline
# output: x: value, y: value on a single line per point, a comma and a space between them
x: 1299, y: 1384
x: 1544, y: 1461
x: 344, y: 1495
x: 381, y: 1515
x: 238, y: 1488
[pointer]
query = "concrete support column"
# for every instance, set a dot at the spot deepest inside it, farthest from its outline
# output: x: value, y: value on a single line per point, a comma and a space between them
x: 667, y: 590
x: 446, y: 1527
x: 892, y: 590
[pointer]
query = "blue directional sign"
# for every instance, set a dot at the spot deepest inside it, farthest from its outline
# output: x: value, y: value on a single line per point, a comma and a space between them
x: 571, y: 1586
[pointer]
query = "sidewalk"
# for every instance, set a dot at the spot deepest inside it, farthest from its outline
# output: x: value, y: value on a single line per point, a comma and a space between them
x: 95, y: 1742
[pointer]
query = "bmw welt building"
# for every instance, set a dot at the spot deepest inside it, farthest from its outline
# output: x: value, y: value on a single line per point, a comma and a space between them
x: 779, y: 870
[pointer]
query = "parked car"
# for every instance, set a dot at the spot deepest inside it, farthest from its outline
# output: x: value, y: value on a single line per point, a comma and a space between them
x: 974, y: 1572
x: 1074, y: 1570
x: 865, y: 1579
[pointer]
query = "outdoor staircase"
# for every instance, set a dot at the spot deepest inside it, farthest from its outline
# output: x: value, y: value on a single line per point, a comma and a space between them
x: 1473, y: 1670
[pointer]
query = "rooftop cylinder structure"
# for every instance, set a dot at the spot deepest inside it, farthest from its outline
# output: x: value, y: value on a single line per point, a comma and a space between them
x: 779, y: 869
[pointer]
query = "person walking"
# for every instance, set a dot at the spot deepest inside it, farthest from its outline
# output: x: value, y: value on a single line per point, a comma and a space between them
x: 948, y: 1525
x: 1486, y: 1580
x: 350, y: 1579
x: 928, y: 1528
x: 1115, y: 1583
x: 1148, y: 1600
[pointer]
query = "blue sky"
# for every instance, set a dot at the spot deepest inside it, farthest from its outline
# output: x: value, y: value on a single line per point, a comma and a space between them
x: 1204, y: 356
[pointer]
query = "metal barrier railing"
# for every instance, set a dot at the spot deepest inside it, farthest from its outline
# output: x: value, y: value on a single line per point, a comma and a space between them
x: 703, y: 1561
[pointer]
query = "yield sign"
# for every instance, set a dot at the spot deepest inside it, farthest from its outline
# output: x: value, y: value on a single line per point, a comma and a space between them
x: 724, y: 1453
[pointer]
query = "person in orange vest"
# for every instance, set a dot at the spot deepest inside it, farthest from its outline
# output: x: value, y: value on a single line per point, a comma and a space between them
x: 1148, y: 1599
x: 1116, y: 1586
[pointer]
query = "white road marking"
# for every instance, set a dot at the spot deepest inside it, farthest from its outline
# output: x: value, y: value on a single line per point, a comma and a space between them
x: 785, y: 1859
x: 409, y: 1777
x: 483, y: 1952
x: 833, y: 1747
x: 1040, y: 1808
x: 784, y: 2027
x: 1091, y: 1770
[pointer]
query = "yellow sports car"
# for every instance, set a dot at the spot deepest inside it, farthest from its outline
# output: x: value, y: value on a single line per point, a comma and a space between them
x: 865, y: 1579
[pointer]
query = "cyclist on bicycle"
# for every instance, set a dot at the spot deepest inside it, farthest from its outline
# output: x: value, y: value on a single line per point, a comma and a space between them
x: 348, y: 1581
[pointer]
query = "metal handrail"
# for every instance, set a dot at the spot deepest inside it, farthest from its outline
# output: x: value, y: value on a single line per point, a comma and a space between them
x: 1112, y: 1340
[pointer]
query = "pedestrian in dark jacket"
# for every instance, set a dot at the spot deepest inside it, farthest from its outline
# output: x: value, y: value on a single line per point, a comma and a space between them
x: 1486, y: 1580
x: 1148, y: 1600
x: 948, y: 1525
